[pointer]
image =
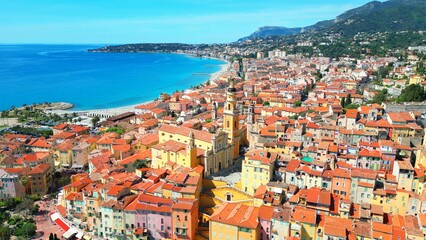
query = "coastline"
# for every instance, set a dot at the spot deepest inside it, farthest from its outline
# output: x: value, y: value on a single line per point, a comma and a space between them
x: 131, y: 108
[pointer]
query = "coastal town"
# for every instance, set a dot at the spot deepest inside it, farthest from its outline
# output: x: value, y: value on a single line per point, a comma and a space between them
x: 277, y: 146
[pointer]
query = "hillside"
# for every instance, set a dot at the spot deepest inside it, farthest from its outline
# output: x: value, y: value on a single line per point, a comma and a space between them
x: 269, y: 31
x: 389, y: 16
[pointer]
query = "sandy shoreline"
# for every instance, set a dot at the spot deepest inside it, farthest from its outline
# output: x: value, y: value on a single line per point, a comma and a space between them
x: 131, y: 108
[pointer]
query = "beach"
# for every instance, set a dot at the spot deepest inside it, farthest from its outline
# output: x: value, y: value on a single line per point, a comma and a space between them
x: 131, y: 108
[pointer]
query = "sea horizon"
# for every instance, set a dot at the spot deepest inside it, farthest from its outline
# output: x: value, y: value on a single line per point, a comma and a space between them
x: 38, y: 73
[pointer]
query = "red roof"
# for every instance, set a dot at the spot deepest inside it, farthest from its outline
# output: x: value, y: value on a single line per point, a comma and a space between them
x: 62, y: 224
x: 237, y: 215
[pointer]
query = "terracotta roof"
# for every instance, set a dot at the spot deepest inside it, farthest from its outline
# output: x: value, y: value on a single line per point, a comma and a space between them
x: 237, y: 215
x: 184, y: 131
x: 41, y: 168
x: 304, y: 215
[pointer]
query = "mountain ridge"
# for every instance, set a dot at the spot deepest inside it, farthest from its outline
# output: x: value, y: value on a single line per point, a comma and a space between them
x: 375, y: 16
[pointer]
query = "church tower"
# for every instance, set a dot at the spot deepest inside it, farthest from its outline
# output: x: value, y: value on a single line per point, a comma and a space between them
x: 191, y: 152
x: 214, y: 111
x: 250, y: 115
x: 231, y: 119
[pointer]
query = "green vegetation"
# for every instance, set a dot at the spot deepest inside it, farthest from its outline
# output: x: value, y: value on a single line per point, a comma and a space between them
x: 26, y: 229
x: 420, y: 68
x: 352, y: 106
x: 380, y: 97
x: 297, y: 103
x: 64, y: 181
x: 266, y: 103
x: 118, y: 129
x: 37, y: 116
x: 20, y: 224
x: 95, y: 120
x: 30, y: 131
x: 5, y: 232
x: 412, y: 93
x: 140, y: 164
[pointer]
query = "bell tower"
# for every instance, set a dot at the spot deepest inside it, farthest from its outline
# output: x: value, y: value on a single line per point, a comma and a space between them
x: 191, y: 152
x: 231, y: 119
x: 214, y: 111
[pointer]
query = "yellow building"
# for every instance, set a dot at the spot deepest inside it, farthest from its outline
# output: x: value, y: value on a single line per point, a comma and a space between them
x: 416, y: 79
x: 235, y: 221
x: 40, y: 179
x: 216, y: 152
x: 421, y: 154
x: 63, y: 154
x: 257, y: 169
x: 392, y: 201
x: 303, y: 223
x: 180, y: 153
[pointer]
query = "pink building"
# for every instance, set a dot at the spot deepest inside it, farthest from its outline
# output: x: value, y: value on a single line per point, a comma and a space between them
x: 151, y: 213
x: 265, y: 219
x: 10, y: 185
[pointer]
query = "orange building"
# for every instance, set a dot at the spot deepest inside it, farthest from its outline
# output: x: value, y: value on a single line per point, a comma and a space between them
x: 341, y: 183
x: 185, y: 218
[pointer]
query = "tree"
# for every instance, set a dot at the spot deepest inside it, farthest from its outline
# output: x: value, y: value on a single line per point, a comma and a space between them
x: 352, y: 106
x: 348, y: 100
x: 266, y: 103
x: 140, y: 164
x: 27, y: 230
x: 25, y: 205
x: 420, y: 68
x: 95, y: 120
x: 297, y: 103
x: 55, y: 237
x: 381, y: 96
x: 203, y: 100
x: 51, y: 236
x: 64, y: 181
x: 412, y: 93
x: 342, y: 102
x: 35, y: 209
x: 5, y: 233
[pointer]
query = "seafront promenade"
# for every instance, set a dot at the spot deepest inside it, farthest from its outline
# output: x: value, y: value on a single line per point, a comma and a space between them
x: 110, y: 112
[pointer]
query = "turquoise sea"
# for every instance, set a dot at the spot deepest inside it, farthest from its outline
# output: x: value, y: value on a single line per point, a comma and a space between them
x: 68, y: 73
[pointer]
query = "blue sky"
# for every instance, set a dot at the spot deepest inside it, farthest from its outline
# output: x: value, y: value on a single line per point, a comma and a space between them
x: 134, y: 21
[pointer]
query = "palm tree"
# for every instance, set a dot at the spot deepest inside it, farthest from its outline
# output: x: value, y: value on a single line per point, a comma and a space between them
x: 95, y: 120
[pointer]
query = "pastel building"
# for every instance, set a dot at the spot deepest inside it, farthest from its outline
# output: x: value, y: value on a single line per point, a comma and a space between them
x: 257, y: 169
x: 40, y: 179
x: 80, y: 155
x: 185, y: 218
x: 341, y: 183
x: 404, y: 173
x: 217, y: 153
x: 151, y: 213
x: 235, y: 221
x: 10, y: 185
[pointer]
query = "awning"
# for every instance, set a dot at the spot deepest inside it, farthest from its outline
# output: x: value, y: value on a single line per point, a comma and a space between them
x: 79, y: 234
x: 69, y: 234
x: 62, y: 224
